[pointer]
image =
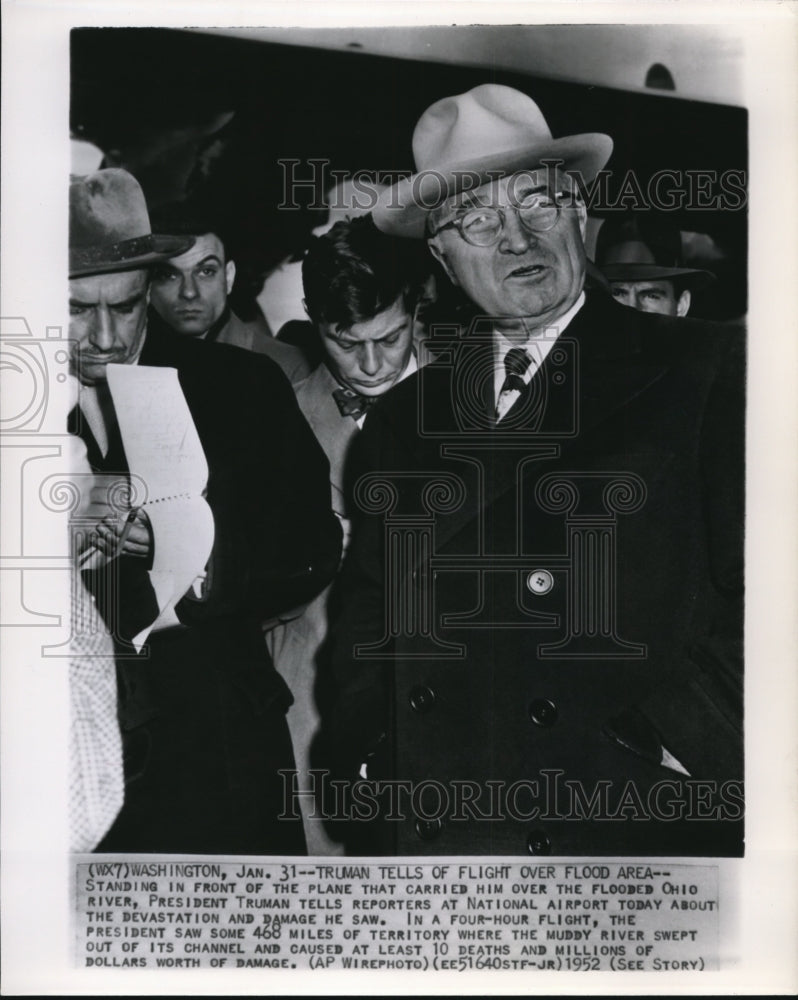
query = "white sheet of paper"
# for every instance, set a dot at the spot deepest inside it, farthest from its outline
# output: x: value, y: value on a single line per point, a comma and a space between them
x: 183, y: 531
x: 161, y: 442
x: 164, y: 451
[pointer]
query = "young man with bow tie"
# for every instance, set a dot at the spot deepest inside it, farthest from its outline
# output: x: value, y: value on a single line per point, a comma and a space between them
x: 363, y: 292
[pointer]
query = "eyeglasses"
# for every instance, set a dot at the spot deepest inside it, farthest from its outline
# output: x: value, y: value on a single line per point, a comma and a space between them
x: 482, y: 226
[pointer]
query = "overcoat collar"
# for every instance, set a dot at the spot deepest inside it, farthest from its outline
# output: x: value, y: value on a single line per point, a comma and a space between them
x: 611, y: 362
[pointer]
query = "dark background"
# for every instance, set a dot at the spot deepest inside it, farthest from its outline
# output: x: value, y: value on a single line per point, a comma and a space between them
x: 156, y: 102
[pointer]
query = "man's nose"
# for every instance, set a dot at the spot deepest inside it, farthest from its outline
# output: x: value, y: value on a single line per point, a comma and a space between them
x: 102, y: 336
x: 188, y: 287
x: 369, y: 359
x: 515, y: 238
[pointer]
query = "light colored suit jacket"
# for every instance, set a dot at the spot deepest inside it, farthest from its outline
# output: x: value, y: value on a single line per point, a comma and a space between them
x: 241, y: 334
x: 294, y: 645
x: 333, y: 431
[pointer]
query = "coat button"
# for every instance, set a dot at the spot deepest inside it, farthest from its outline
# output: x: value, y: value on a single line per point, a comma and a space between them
x: 421, y: 698
x: 543, y: 712
x: 540, y: 581
x: 538, y: 843
x: 429, y: 829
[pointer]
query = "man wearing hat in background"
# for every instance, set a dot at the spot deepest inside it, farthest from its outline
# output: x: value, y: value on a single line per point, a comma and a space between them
x: 552, y: 647
x: 641, y: 257
x: 201, y: 708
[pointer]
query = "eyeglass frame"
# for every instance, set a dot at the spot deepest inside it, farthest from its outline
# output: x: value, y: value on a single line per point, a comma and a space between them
x: 457, y: 222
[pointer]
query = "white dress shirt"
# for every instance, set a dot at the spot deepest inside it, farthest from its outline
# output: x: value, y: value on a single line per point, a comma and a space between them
x: 538, y: 344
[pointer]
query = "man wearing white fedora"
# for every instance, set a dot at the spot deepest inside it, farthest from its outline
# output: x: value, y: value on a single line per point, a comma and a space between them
x: 540, y: 628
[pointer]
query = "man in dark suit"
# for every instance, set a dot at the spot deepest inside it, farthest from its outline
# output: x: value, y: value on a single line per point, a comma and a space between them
x: 190, y: 294
x: 548, y: 659
x: 201, y: 708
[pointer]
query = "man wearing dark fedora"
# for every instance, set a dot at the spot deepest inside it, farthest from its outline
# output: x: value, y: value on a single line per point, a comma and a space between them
x: 641, y: 257
x: 538, y: 639
x: 201, y: 707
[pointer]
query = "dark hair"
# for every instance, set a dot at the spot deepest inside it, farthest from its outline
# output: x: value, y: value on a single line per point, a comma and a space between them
x: 188, y: 219
x: 353, y: 272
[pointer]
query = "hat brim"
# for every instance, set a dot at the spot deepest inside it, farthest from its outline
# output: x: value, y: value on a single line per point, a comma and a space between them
x: 402, y: 210
x: 653, y: 272
x: 128, y: 255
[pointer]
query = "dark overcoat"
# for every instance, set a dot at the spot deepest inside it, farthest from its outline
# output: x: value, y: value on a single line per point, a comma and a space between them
x: 538, y: 628
x: 202, y: 708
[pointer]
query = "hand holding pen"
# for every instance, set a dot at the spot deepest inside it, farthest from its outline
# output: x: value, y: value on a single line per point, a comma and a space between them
x: 114, y: 536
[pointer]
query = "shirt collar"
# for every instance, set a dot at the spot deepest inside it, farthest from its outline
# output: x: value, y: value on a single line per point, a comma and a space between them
x: 538, y: 344
x: 541, y: 333
x: 212, y: 333
x: 410, y: 368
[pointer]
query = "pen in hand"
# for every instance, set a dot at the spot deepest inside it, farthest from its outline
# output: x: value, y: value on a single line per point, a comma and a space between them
x: 126, y: 530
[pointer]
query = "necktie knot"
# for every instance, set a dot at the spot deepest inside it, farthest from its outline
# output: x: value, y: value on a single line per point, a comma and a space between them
x: 516, y: 362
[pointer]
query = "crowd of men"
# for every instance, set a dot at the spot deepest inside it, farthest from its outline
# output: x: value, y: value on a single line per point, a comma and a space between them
x: 480, y: 578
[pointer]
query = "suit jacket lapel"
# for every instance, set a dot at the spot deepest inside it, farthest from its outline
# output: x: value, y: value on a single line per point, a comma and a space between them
x: 115, y: 460
x: 333, y: 431
x: 78, y: 424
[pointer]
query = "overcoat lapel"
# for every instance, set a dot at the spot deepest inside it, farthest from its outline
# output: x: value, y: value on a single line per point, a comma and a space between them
x: 609, y: 366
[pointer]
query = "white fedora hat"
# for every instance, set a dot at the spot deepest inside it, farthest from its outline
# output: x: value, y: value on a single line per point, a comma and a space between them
x: 471, y: 138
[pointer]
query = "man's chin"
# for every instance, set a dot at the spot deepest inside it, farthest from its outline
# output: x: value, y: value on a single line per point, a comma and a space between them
x: 92, y: 377
x: 190, y: 329
x: 373, y: 392
x: 188, y: 323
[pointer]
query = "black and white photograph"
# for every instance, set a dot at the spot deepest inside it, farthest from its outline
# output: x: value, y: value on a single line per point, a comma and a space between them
x: 393, y: 515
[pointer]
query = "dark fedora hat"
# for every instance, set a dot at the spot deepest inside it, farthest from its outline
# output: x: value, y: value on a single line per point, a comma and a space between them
x: 109, y: 227
x: 644, y: 247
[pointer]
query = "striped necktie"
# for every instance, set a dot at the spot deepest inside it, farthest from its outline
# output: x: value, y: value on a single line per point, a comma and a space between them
x: 516, y: 362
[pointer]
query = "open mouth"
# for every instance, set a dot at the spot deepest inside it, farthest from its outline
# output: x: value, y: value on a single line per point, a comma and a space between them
x: 527, y: 271
x: 100, y: 359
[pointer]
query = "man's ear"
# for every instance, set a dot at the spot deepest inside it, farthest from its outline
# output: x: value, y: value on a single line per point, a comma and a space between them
x: 581, y: 214
x: 683, y: 305
x: 440, y: 256
x: 229, y: 275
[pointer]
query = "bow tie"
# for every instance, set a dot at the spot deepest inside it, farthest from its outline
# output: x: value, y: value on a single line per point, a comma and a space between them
x: 352, y: 404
